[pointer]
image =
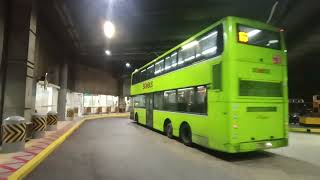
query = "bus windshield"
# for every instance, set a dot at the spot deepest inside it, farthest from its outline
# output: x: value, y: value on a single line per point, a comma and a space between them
x: 258, y: 37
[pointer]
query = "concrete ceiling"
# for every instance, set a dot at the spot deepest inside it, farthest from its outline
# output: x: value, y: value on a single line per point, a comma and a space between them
x: 146, y: 28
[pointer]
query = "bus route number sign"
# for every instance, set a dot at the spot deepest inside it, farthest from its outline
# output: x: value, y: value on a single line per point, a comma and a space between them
x: 147, y: 85
x: 243, y: 37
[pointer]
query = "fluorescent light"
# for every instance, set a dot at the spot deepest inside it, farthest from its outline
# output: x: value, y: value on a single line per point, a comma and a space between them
x: 108, y: 52
x: 273, y: 41
x: 109, y: 29
x: 189, y: 58
x: 253, y: 32
x: 190, y: 45
x: 210, y: 50
x: 181, y: 62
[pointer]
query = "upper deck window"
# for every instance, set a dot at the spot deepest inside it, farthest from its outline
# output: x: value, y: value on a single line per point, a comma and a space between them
x: 150, y: 72
x: 204, y: 47
x: 159, y: 67
x: 171, y: 61
x: 258, y: 37
x: 187, y: 52
x: 208, y: 45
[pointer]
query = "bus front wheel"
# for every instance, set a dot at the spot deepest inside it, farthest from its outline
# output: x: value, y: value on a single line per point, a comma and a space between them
x: 186, y: 134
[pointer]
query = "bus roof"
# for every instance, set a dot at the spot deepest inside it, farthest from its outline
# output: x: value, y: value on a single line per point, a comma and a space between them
x: 199, y: 34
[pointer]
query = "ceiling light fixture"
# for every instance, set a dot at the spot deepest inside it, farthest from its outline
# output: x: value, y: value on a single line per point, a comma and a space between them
x: 109, y: 29
x: 108, y: 52
x: 128, y: 65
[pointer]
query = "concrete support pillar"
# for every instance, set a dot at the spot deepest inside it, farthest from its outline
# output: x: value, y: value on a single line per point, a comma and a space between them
x: 19, y: 78
x: 124, y: 85
x: 62, y: 99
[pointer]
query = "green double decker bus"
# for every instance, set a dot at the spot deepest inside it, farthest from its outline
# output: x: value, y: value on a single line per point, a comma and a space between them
x: 225, y: 88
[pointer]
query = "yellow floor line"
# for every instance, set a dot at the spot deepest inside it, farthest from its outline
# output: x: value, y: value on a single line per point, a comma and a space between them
x: 34, y: 162
x: 311, y: 130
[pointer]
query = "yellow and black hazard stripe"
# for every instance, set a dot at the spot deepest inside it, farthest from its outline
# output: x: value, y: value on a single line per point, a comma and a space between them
x: 14, y: 133
x: 52, y: 119
x: 39, y: 124
x: 70, y: 113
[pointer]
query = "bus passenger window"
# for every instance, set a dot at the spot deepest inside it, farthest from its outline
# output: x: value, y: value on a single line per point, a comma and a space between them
x: 158, y: 100
x: 187, y: 52
x: 159, y: 67
x: 207, y: 45
x: 167, y: 63
x: 135, y: 78
x: 143, y: 75
x: 174, y: 59
x: 185, y: 99
x: 170, y: 100
x: 150, y: 72
x: 139, y: 101
x: 201, y: 100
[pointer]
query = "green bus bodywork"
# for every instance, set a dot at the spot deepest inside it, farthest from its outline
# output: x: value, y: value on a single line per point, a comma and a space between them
x: 235, y: 121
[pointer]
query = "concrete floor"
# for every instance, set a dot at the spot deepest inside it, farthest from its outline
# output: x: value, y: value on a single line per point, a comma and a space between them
x: 119, y: 149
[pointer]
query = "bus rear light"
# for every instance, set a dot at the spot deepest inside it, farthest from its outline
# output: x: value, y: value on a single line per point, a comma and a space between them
x: 276, y: 59
x: 268, y: 144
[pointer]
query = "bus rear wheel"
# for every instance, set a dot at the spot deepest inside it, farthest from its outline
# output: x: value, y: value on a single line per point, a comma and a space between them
x: 186, y: 134
x: 169, y: 130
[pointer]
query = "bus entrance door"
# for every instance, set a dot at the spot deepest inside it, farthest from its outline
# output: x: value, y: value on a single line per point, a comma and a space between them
x: 149, y: 110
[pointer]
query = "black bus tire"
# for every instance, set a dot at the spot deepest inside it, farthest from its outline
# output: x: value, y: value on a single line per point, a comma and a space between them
x: 186, y: 134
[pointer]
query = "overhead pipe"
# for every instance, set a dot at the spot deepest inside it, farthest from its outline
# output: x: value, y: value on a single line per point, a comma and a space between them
x: 272, y: 11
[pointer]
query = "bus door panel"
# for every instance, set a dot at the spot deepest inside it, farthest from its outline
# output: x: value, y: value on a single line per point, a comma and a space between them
x: 149, y: 110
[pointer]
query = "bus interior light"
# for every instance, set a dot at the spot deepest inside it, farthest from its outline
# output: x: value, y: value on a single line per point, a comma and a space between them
x: 190, y: 45
x: 253, y: 32
x: 189, y: 58
x: 273, y: 41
